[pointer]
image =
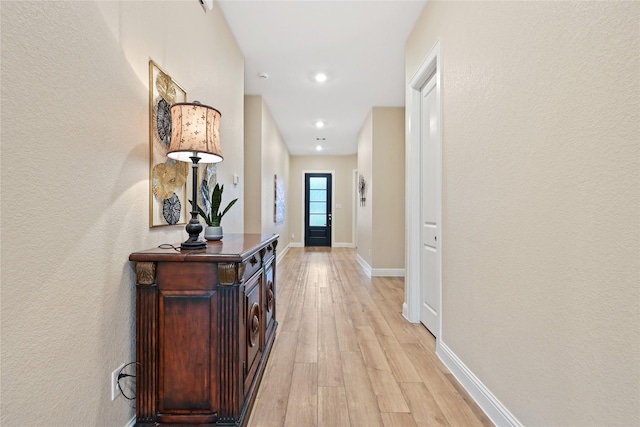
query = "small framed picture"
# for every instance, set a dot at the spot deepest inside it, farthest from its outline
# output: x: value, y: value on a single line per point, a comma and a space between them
x: 279, y: 200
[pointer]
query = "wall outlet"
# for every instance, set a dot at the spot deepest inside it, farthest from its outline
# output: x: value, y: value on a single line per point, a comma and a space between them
x: 115, y: 391
x: 293, y: 235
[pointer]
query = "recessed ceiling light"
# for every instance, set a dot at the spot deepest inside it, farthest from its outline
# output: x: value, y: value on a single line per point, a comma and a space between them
x: 321, y: 77
x: 318, y: 148
x: 320, y: 124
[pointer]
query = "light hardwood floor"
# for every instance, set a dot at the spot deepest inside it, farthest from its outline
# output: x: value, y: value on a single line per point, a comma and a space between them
x: 345, y: 356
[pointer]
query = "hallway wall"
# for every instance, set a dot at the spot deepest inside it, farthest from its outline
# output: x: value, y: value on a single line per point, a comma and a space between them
x: 541, y: 202
x: 266, y: 155
x: 75, y: 187
x: 381, y: 222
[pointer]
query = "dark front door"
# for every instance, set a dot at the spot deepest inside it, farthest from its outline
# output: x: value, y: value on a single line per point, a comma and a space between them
x: 317, y: 209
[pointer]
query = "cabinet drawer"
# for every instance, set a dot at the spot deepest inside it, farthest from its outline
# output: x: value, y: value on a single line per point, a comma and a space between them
x: 187, y: 276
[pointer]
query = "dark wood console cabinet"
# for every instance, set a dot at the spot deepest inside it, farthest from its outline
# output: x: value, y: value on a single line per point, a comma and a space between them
x: 205, y: 324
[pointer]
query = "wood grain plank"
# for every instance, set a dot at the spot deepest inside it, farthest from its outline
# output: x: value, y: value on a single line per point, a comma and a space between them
x: 397, y: 419
x: 399, y: 363
x: 307, y: 351
x: 325, y: 302
x: 302, y: 407
x: 454, y: 408
x: 388, y: 393
x: 482, y: 417
x: 273, y: 394
x: 329, y: 363
x: 374, y: 356
x: 332, y: 407
x: 361, y: 400
x: 346, y: 333
x: 401, y: 329
x: 424, y: 409
x: 295, y: 308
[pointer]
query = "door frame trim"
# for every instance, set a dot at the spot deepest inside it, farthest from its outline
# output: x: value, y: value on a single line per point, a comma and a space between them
x: 431, y: 66
x: 302, y: 219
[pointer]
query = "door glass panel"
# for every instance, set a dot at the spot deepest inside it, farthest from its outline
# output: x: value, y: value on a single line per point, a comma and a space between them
x: 317, y: 220
x: 317, y: 195
x: 317, y: 183
x: 317, y: 202
x: 318, y: 208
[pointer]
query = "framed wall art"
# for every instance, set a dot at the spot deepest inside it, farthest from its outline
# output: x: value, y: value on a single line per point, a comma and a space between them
x: 168, y: 203
x: 279, y: 200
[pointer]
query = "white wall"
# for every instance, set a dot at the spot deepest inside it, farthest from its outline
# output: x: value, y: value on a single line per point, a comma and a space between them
x: 75, y: 187
x: 541, y: 202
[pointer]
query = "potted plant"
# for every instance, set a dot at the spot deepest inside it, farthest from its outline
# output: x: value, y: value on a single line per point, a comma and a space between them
x: 213, y: 231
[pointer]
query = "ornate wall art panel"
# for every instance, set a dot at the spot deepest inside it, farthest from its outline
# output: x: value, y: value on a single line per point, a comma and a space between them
x: 362, y: 189
x: 168, y: 204
x: 207, y: 174
x: 279, y: 200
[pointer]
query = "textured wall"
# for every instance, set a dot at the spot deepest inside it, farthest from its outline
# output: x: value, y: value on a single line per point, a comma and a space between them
x: 365, y: 169
x: 275, y: 160
x: 541, y: 198
x: 266, y: 155
x: 387, y: 197
x: 381, y: 162
x: 252, y: 163
x: 343, y: 186
x: 75, y: 189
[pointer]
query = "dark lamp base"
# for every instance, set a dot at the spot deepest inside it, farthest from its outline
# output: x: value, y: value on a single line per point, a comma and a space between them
x: 194, y: 227
x: 190, y: 245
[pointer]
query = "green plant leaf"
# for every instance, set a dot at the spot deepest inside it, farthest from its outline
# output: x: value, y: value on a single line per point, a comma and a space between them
x: 228, y: 207
x: 216, y: 199
x: 202, y: 214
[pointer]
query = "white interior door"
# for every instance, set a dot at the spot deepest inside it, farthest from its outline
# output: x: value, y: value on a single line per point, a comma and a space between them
x: 429, y: 180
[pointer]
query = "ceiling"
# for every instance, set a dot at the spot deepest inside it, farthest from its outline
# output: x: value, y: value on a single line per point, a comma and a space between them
x: 359, y: 45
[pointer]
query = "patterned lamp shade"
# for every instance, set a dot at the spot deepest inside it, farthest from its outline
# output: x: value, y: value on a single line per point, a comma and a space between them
x: 195, y: 130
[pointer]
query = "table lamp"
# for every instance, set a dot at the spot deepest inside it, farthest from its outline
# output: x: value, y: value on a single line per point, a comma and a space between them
x: 195, y: 138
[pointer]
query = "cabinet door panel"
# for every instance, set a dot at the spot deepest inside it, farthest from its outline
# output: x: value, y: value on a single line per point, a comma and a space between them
x: 269, y: 298
x: 186, y: 352
x: 253, y: 324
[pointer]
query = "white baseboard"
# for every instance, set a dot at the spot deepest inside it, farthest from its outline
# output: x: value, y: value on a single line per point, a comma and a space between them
x: 343, y: 245
x: 387, y: 272
x: 405, y: 311
x: 282, y: 253
x: 491, y: 406
x: 366, y: 267
x: 335, y: 245
x: 132, y: 422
